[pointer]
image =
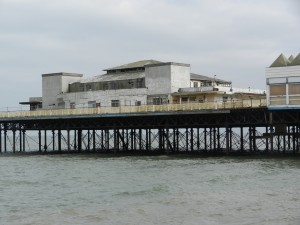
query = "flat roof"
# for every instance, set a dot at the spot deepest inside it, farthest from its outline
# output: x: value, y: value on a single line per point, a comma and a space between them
x: 62, y: 74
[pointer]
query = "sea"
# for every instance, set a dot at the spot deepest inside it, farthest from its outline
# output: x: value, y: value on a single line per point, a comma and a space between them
x: 92, y: 189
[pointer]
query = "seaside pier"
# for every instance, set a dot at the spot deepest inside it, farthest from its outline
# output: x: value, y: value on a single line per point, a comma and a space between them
x: 230, y: 128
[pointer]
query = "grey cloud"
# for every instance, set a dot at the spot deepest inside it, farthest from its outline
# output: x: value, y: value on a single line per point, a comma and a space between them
x: 232, y: 39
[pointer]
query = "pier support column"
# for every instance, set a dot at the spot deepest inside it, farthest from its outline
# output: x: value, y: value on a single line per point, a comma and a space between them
x: 24, y: 139
x: 40, y: 141
x: 68, y: 137
x: 205, y: 139
x: 94, y: 140
x: 149, y: 139
x: 218, y: 137
x: 45, y: 141
x: 53, y: 140
x: 14, y: 141
x: 267, y: 139
x: 192, y: 139
x: 107, y: 140
x: 89, y: 141
x: 198, y: 139
x: 79, y: 138
x: 242, y: 139
x: 186, y: 139
x: 0, y: 139
x: 59, y: 140
x: 227, y: 139
x: 5, y: 140
x: 20, y: 140
x: 140, y: 139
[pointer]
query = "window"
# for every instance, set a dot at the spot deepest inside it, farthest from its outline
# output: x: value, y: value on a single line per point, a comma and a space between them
x: 139, y: 83
x: 195, y: 84
x: 72, y: 105
x: 91, y: 104
x: 81, y: 87
x: 88, y: 87
x: 105, y: 86
x: 138, y: 103
x: 294, y: 89
x: 115, y: 103
x: 130, y: 84
x: 184, y: 99
x: 192, y: 99
x: 157, y: 101
x: 98, y: 104
x: 277, y: 89
x: 113, y: 85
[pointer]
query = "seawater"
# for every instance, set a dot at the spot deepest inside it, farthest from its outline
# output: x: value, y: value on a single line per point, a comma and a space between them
x: 97, y: 189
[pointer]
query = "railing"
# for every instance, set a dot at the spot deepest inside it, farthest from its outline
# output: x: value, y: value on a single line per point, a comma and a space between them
x: 137, y: 109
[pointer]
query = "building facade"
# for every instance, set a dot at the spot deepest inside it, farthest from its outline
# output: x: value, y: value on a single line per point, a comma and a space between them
x: 138, y: 83
x: 283, y: 82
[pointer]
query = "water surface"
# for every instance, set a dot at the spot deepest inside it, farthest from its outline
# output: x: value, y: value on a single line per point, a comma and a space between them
x: 94, y: 189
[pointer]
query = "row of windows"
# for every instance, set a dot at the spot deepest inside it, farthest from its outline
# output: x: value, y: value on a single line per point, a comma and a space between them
x: 280, y: 89
x: 113, y: 85
x: 94, y: 104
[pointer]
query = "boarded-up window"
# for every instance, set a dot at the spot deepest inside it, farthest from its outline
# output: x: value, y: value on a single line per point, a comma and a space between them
x: 294, y: 89
x: 115, y: 103
x: 278, y: 89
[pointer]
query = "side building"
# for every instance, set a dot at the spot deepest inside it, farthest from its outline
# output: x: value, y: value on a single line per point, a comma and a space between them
x: 139, y: 83
x: 283, y: 83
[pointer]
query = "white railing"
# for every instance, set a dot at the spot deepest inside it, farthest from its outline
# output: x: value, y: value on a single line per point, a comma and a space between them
x: 137, y: 109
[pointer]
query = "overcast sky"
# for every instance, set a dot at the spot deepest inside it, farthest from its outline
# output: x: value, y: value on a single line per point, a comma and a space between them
x: 232, y: 39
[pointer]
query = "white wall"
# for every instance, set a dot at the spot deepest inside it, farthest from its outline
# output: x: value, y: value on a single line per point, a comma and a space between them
x: 158, y: 79
x: 126, y: 97
x: 283, y: 75
x: 272, y: 72
x: 166, y: 78
x: 180, y: 76
x: 54, y: 84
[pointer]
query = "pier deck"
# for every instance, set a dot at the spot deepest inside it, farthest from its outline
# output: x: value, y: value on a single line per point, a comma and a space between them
x: 160, y: 129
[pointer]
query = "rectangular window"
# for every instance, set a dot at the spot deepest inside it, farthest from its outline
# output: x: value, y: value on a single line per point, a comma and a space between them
x: 192, y: 99
x: 138, y: 103
x: 113, y: 85
x: 157, y: 101
x: 88, y: 87
x: 91, y: 104
x: 81, y: 87
x: 184, y: 99
x: 130, y: 84
x: 276, y: 80
x: 277, y: 89
x: 115, y: 103
x: 98, y: 104
x: 139, y: 83
x: 105, y: 86
x: 72, y: 105
x: 294, y: 89
x: 195, y: 84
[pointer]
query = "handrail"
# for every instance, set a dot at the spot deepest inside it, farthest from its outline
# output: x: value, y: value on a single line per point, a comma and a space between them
x: 252, y: 103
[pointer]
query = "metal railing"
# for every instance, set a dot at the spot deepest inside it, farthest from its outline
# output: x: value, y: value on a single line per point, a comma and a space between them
x: 253, y: 103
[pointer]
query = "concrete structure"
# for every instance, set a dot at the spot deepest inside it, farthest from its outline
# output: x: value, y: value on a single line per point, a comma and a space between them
x: 55, y: 84
x: 147, y: 82
x: 283, y: 83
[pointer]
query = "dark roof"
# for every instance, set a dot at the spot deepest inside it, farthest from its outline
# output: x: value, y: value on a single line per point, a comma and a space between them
x: 138, y: 64
x: 296, y: 61
x: 282, y: 61
x: 206, y: 78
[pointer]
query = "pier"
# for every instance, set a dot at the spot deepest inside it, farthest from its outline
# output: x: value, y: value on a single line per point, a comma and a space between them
x: 222, y: 128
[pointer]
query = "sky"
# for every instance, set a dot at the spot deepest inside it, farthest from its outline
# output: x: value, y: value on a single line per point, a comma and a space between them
x: 232, y: 39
